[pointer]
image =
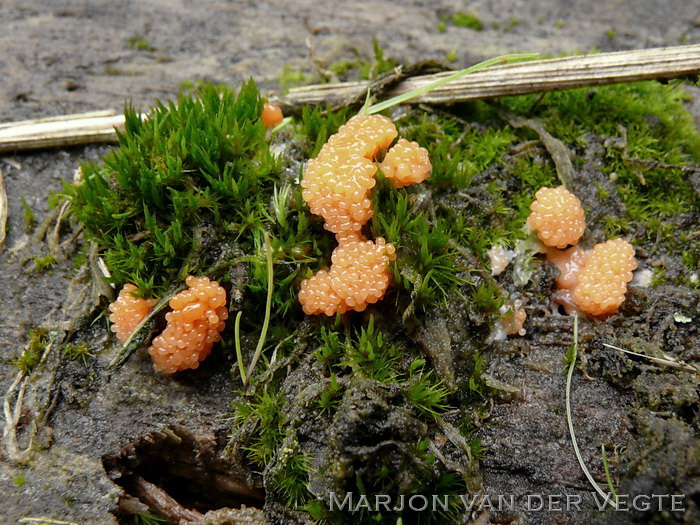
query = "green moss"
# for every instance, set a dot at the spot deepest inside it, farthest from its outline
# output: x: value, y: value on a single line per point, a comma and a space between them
x: 20, y: 480
x: 487, y: 298
x: 423, y: 391
x: 38, y: 340
x: 363, y: 67
x: 44, y: 262
x: 513, y: 22
x: 266, y: 412
x: 468, y: 20
x: 140, y: 44
x: 29, y: 217
x: 319, y: 123
x: 291, y: 478
x: 329, y: 398
x: 648, y: 136
x: 607, y: 107
x: 602, y: 192
x: 118, y: 72
x: 188, y: 167
x: 143, y: 519
x: 372, y: 356
x: 291, y: 77
x: 193, y: 189
x: 77, y: 352
x: 658, y: 277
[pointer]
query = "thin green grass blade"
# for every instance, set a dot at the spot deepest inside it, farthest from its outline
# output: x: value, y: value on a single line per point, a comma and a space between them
x: 268, y: 308
x: 607, y: 472
x: 376, y: 108
x: 606, y: 497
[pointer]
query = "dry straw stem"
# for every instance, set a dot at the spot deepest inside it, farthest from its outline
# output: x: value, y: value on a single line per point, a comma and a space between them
x: 61, y: 131
x: 522, y: 78
x: 3, y: 210
x: 657, y: 360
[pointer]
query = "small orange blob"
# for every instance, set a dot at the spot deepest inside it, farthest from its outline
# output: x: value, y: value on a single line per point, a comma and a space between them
x: 513, y: 321
x: 557, y: 217
x: 602, y: 283
x: 406, y: 163
x: 128, y: 311
x: 194, y: 325
x: 271, y: 115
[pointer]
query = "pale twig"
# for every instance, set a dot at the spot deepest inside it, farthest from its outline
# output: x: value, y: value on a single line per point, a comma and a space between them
x: 55, y: 236
x: 65, y: 130
x: 12, y: 415
x: 45, y: 521
x: 537, y: 76
x: 3, y: 209
x: 657, y: 360
x: 9, y: 433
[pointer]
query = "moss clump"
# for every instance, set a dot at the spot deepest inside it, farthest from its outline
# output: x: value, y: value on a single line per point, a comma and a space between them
x: 30, y: 357
x: 140, y: 44
x: 43, y: 262
x: 20, y: 479
x: 648, y: 139
x: 79, y: 352
x: 29, y: 216
x: 199, y: 164
x: 469, y: 20
x: 363, y: 67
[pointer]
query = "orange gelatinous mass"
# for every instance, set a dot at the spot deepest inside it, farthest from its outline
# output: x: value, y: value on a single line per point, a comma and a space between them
x: 362, y: 135
x: 337, y: 185
x: 557, y: 216
x: 128, y: 311
x: 337, y: 188
x: 406, y: 163
x: 569, y: 262
x: 602, y: 283
x: 358, y: 277
x: 271, y: 115
x: 194, y: 325
x: 338, y: 181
